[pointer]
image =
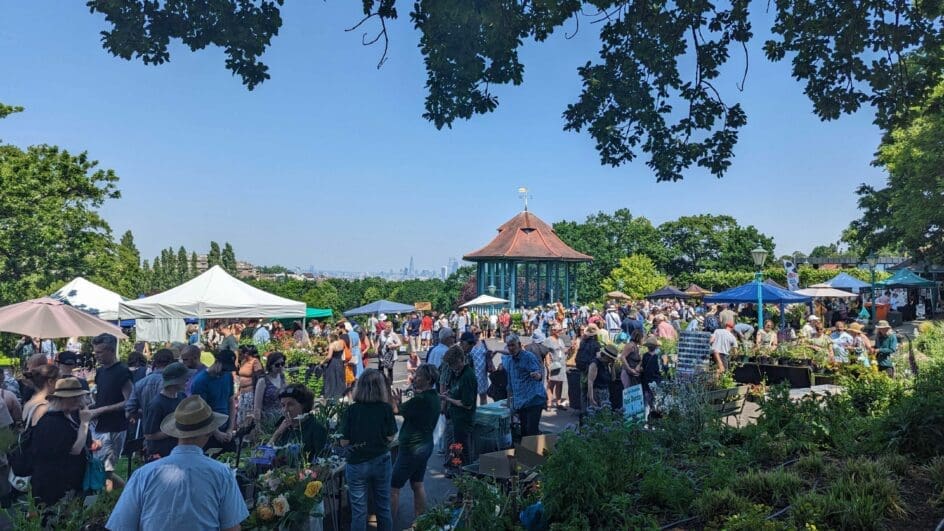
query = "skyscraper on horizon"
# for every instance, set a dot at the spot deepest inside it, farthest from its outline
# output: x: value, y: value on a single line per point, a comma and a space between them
x: 411, y: 271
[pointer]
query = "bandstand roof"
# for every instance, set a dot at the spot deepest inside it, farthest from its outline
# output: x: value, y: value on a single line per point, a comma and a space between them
x: 526, y: 237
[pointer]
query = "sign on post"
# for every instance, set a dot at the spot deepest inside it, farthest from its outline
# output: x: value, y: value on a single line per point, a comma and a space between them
x: 634, y: 407
x: 694, y: 353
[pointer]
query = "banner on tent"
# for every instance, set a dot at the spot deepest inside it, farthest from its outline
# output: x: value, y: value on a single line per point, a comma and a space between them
x: 793, y: 278
x: 423, y: 306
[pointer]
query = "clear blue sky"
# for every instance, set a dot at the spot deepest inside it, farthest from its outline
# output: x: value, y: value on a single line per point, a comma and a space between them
x: 330, y: 163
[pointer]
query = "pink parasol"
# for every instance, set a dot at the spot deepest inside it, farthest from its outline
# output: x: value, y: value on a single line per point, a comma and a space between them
x: 49, y: 318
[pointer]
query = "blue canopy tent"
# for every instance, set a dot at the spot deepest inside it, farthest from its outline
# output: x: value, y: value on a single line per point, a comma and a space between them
x: 843, y: 281
x: 747, y: 293
x: 381, y: 306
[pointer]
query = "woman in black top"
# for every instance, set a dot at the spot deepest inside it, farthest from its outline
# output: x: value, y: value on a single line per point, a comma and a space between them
x: 420, y: 415
x: 599, y: 376
x: 334, y: 385
x: 368, y: 428
x: 59, y: 443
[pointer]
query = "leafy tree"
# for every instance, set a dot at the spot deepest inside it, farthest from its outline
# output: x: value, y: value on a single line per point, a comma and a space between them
x: 214, y: 256
x: 635, y: 276
x: 907, y: 212
x: 128, y: 280
x: 653, y: 89
x: 608, y: 238
x: 707, y: 241
x: 194, y: 270
x: 50, y: 228
x: 228, y: 259
x: 183, y: 266
x: 825, y: 251
x: 273, y: 270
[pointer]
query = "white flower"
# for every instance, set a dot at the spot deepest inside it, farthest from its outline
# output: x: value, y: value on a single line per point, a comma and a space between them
x: 280, y: 505
x: 262, y: 500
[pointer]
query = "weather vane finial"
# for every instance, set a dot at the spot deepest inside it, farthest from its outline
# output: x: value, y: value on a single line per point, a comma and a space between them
x: 524, y: 195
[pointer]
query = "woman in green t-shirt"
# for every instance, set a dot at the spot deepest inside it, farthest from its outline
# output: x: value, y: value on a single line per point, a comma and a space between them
x: 368, y: 428
x: 461, y: 398
x: 420, y: 415
x: 296, y: 400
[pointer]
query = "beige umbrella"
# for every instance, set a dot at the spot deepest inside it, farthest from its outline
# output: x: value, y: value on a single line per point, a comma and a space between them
x: 826, y: 292
x: 697, y: 291
x: 618, y: 295
x: 49, y: 318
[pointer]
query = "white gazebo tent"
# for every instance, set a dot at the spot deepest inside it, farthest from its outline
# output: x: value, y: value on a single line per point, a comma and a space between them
x: 90, y: 298
x: 213, y: 295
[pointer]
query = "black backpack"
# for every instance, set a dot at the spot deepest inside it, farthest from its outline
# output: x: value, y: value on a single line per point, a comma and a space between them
x: 587, y: 353
x: 711, y: 323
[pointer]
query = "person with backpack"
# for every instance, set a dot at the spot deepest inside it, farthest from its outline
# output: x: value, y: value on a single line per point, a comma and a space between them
x: 586, y: 353
x: 712, y: 321
x: 650, y: 373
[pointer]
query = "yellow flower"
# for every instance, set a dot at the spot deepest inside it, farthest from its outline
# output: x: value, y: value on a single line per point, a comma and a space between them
x: 313, y: 488
x: 265, y: 512
x: 280, y: 505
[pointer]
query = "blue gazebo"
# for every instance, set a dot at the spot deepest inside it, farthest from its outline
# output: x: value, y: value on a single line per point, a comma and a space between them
x: 747, y: 293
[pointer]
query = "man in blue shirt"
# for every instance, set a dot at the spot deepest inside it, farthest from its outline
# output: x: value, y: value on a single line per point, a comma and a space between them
x: 527, y: 395
x: 261, y: 336
x: 185, y: 490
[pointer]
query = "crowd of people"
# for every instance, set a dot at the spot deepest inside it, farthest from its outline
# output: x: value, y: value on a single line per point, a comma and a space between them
x: 72, y: 434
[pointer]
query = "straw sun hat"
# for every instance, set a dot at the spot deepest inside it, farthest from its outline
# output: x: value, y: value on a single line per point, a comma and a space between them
x: 192, y: 418
x: 68, y: 388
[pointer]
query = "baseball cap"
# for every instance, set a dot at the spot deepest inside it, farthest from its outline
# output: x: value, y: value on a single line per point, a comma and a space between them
x: 468, y: 337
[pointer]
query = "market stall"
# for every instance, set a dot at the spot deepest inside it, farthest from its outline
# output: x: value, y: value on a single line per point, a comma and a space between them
x: 90, y: 298
x: 381, y: 306
x: 49, y: 319
x: 668, y: 292
x: 213, y: 295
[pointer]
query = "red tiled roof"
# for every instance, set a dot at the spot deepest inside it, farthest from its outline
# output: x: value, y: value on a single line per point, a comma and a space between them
x: 526, y: 237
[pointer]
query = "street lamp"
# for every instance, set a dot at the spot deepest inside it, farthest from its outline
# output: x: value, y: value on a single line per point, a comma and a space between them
x: 873, y: 260
x: 759, y: 255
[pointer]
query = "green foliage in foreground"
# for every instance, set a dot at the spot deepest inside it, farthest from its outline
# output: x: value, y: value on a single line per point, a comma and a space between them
x: 856, y: 460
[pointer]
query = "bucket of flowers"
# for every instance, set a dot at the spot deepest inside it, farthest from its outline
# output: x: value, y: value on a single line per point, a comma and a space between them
x: 289, y: 498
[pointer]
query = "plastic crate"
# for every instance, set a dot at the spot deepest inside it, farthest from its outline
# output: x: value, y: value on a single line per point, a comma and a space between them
x: 492, y: 428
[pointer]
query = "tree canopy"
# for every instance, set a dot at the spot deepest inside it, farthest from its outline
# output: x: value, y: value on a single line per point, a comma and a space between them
x: 907, y: 212
x: 636, y: 275
x: 50, y: 228
x: 654, y: 88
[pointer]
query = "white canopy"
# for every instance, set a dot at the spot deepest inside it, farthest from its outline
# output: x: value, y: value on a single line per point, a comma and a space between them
x: 826, y: 292
x: 484, y: 300
x: 90, y: 298
x: 212, y: 295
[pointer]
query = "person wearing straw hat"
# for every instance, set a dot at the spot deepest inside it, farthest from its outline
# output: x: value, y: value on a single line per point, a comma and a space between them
x: 861, y: 345
x: 186, y: 489
x: 600, y: 375
x: 59, y: 444
x: 886, y: 344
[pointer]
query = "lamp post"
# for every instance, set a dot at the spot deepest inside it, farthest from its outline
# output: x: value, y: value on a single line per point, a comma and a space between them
x: 872, y: 260
x: 759, y: 255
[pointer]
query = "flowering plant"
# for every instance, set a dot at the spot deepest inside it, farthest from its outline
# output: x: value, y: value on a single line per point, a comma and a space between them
x: 287, y: 496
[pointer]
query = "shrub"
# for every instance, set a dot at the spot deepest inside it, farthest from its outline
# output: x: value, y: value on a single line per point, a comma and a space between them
x: 714, y: 506
x: 872, y: 393
x: 915, y: 423
x: 773, y: 487
x: 812, y: 466
x: 664, y: 487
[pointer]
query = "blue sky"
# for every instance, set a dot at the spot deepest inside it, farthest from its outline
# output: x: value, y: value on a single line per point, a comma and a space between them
x: 330, y: 163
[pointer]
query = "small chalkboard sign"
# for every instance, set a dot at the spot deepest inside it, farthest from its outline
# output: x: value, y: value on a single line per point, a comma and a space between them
x: 694, y: 353
x: 634, y: 408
